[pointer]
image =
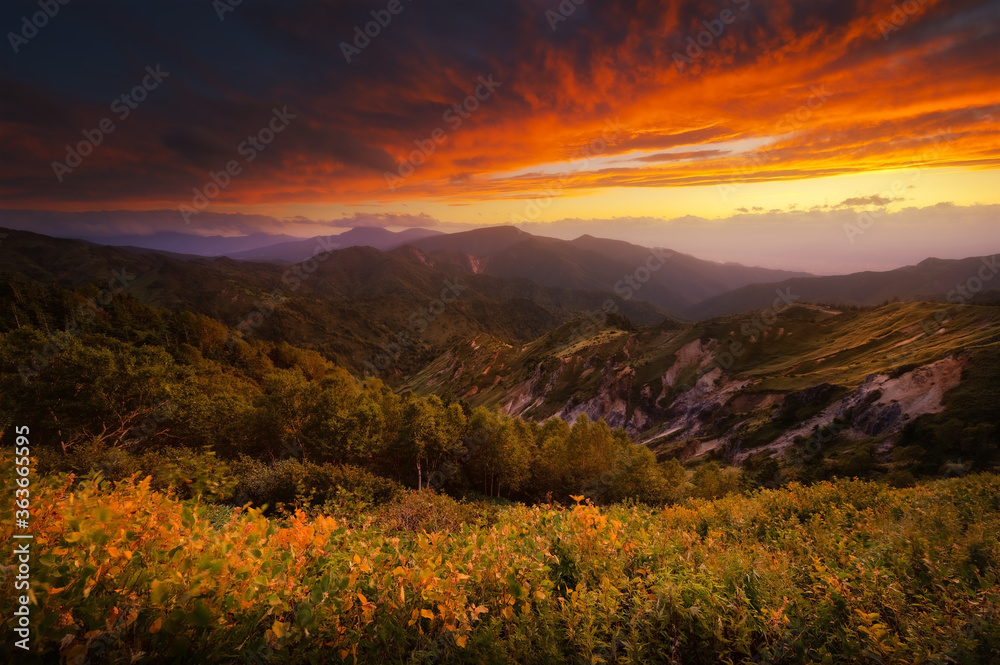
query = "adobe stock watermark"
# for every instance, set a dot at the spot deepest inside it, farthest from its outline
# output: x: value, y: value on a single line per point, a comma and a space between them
x: 122, y: 107
x: 900, y: 16
x: 37, y: 21
x: 473, y: 444
x: 612, y: 131
x: 964, y: 293
x: 418, y: 322
x: 152, y: 425
x: 58, y: 342
x: 454, y: 116
x: 254, y: 144
x: 223, y: 7
x: 292, y: 278
x: 866, y: 218
x: 805, y: 451
x: 708, y: 37
x: 625, y: 288
x: 565, y: 9
x: 372, y: 29
x: 791, y: 121
x: 730, y: 350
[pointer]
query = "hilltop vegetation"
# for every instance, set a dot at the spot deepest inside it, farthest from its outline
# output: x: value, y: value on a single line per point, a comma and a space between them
x: 138, y: 390
x: 353, y: 305
x: 132, y: 389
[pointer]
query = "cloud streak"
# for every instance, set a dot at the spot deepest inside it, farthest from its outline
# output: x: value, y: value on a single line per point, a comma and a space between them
x: 607, y: 61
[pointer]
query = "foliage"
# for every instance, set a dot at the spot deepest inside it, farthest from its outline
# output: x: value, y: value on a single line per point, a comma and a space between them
x: 291, y: 482
x: 118, y: 407
x: 837, y: 572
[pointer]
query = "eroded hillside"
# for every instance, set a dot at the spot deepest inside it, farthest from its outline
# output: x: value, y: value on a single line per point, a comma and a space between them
x: 735, y: 386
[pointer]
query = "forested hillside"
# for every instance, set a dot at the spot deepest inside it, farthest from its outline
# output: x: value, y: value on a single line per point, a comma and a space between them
x: 360, y: 307
x: 205, y: 494
x: 133, y: 389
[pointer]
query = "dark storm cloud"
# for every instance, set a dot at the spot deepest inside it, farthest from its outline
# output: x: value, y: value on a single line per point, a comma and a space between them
x: 356, y: 120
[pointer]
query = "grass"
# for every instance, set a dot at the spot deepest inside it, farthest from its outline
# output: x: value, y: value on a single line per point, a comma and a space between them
x: 815, y: 347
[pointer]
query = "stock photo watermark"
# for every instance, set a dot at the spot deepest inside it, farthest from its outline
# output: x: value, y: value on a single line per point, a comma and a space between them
x: 253, y: 145
x: 31, y: 25
x: 22, y: 552
x: 754, y: 329
x: 708, y: 37
x: 122, y: 107
x: 418, y: 322
x: 562, y: 13
x: 372, y: 29
x: 900, y: 16
x: 866, y: 219
x: 58, y: 342
x: 790, y: 122
x: 223, y: 7
x: 625, y: 288
x: 454, y: 117
x: 533, y: 209
x: 293, y: 279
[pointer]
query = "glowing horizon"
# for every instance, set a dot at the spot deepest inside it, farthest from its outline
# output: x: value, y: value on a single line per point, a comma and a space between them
x: 609, y: 114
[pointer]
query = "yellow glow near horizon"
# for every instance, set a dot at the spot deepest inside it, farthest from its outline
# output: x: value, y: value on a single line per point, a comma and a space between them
x: 917, y: 187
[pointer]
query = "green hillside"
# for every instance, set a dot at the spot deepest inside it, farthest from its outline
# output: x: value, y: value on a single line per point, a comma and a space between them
x: 730, y: 386
x: 353, y: 305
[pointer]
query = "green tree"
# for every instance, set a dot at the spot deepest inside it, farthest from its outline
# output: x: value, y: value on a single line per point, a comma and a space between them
x: 433, y: 435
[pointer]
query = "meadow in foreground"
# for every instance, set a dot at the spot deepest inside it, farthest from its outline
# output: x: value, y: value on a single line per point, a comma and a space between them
x: 843, y: 571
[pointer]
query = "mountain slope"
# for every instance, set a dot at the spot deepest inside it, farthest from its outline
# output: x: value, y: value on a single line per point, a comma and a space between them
x: 932, y: 279
x: 351, y: 304
x: 662, y: 277
x: 300, y: 250
x: 736, y: 387
x: 189, y: 243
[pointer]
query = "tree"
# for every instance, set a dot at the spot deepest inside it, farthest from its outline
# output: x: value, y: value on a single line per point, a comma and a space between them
x: 95, y: 391
x: 638, y: 477
x: 433, y: 432
x: 712, y: 481
x: 287, y: 404
x: 503, y: 452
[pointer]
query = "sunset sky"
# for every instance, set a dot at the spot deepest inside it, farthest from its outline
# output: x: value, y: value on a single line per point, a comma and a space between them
x: 737, y: 130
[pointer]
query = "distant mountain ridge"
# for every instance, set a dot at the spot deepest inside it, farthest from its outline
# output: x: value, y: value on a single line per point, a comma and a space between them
x: 281, y: 248
x: 190, y: 243
x: 931, y: 279
x: 297, y: 250
x: 566, y: 278
x: 662, y: 277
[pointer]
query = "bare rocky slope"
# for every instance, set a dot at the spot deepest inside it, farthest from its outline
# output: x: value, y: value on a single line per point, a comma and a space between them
x: 738, y: 386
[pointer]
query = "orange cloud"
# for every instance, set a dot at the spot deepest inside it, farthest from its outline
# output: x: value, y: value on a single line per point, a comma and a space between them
x: 785, y: 90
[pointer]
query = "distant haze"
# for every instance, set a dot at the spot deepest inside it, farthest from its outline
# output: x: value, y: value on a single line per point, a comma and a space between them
x: 816, y: 241
x: 819, y: 242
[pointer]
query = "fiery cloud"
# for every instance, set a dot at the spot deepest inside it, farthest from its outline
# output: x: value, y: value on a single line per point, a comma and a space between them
x: 785, y: 91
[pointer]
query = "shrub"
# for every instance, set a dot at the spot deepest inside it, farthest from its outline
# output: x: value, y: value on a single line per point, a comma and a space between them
x: 426, y: 510
x: 188, y: 473
x: 294, y: 483
x: 711, y: 481
x: 837, y: 572
x: 900, y: 478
